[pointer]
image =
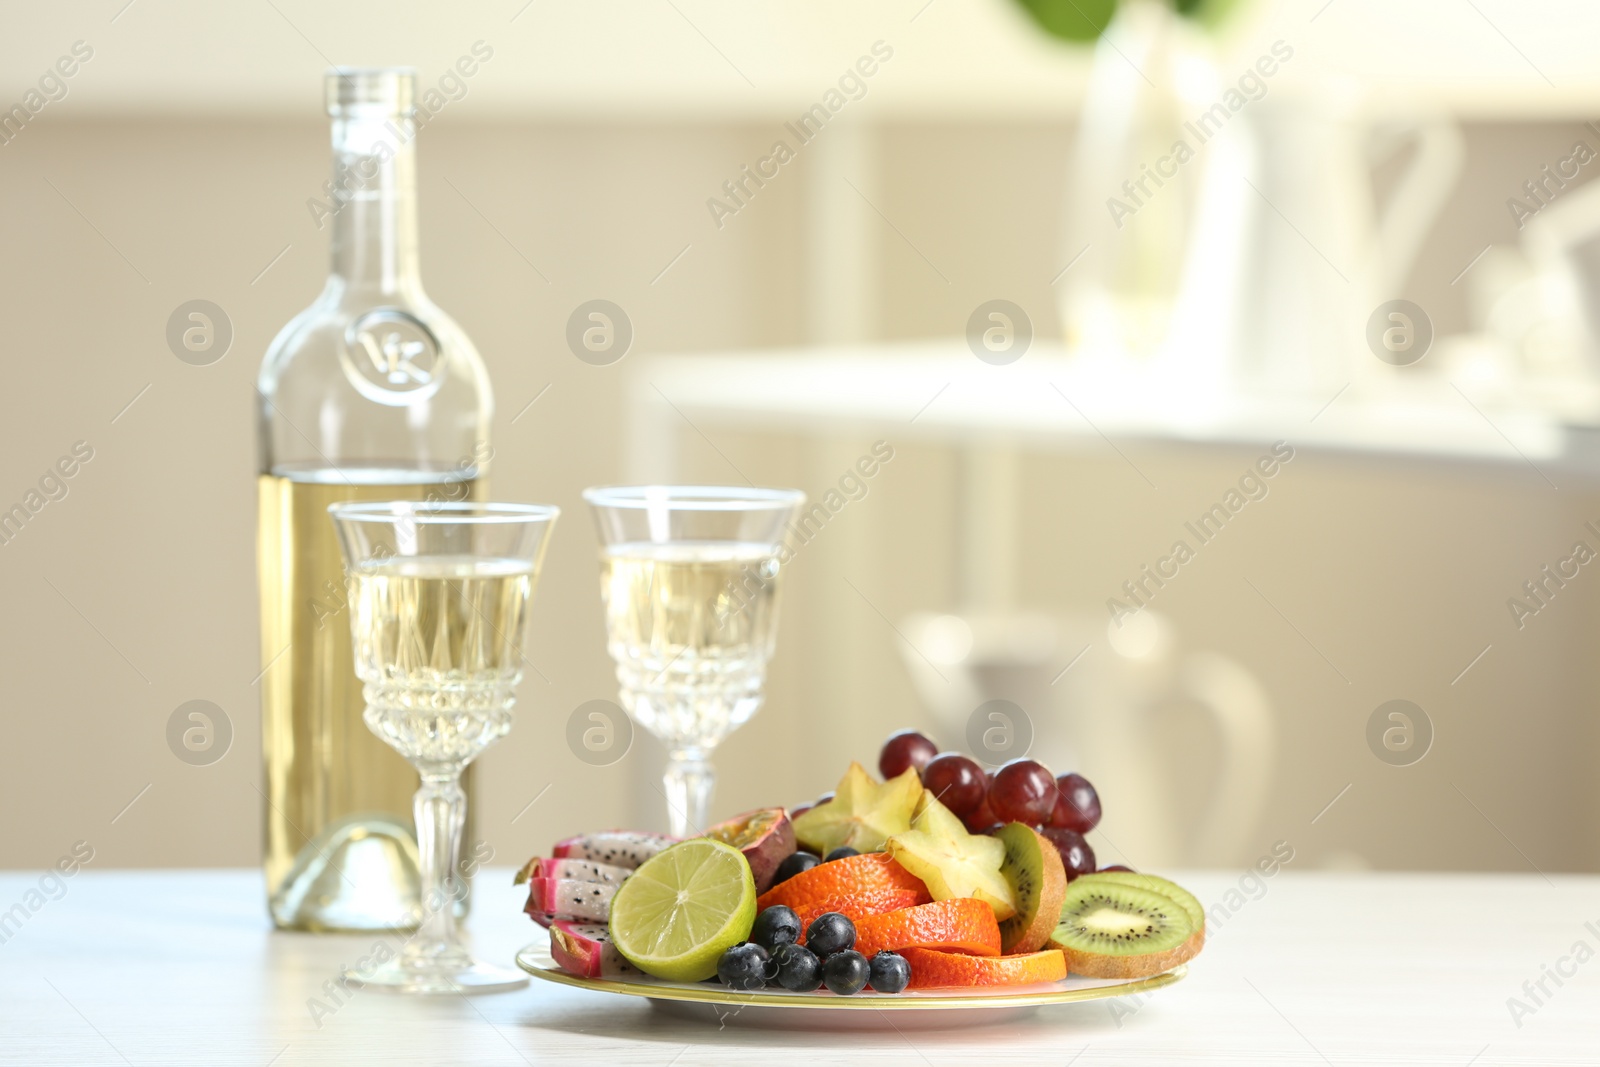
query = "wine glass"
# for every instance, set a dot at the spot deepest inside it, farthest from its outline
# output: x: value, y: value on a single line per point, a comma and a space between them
x: 438, y: 599
x: 689, y: 576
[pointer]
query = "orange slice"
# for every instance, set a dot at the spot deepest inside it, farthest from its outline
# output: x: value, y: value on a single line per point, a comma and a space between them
x: 961, y: 924
x: 857, y: 886
x: 931, y: 969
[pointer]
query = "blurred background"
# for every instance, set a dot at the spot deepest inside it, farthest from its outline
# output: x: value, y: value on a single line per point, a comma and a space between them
x: 1371, y: 267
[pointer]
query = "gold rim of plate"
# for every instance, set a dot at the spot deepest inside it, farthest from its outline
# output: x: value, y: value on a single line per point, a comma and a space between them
x: 537, y: 961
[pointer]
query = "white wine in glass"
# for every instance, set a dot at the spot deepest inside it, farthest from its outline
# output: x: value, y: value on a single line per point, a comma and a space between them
x: 437, y: 648
x: 690, y: 579
x: 439, y: 596
x: 676, y: 625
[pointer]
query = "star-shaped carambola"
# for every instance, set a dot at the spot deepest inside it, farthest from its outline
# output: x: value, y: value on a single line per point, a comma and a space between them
x: 863, y: 814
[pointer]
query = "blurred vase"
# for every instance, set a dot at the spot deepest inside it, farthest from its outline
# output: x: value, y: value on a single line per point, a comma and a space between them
x: 1126, y: 226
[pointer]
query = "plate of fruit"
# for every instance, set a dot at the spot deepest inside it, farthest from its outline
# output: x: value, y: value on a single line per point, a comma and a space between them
x: 938, y: 886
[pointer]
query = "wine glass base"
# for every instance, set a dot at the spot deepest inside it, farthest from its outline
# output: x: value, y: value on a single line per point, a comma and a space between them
x: 395, y: 977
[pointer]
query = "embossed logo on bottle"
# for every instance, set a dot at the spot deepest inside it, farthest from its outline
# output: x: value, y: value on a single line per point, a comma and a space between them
x: 392, y: 357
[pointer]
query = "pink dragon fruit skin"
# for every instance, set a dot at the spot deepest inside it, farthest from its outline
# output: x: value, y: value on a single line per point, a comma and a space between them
x: 565, y: 897
x: 568, y: 889
x: 620, y: 848
x: 581, y: 871
x: 585, y: 949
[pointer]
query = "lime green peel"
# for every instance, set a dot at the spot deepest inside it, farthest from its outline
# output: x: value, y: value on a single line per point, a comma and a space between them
x: 683, y: 908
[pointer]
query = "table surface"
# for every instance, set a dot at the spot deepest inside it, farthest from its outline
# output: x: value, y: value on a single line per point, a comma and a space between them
x: 145, y: 967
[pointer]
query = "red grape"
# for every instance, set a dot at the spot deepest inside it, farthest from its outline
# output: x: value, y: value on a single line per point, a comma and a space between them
x: 980, y: 818
x: 957, y: 781
x: 1023, y: 791
x: 1077, y: 805
x: 1117, y: 867
x: 905, y: 748
x: 796, y: 812
x: 1076, y: 855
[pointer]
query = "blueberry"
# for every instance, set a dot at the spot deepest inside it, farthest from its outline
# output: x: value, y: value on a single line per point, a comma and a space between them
x: 840, y: 853
x: 775, y: 926
x: 889, y: 972
x: 793, y: 864
x: 846, y: 972
x: 830, y: 932
x: 744, y: 966
x: 799, y: 970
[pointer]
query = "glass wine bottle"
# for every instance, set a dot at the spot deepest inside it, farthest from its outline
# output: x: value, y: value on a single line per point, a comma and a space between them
x: 371, y: 393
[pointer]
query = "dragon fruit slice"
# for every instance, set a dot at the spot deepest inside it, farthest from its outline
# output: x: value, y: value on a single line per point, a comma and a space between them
x: 576, y: 870
x: 565, y: 897
x: 585, y: 949
x: 620, y: 848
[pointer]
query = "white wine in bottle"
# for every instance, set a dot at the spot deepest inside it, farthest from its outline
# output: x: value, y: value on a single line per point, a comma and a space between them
x: 371, y: 393
x: 330, y: 781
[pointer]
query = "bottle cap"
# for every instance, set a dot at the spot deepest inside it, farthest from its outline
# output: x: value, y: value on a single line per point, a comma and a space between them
x: 392, y: 89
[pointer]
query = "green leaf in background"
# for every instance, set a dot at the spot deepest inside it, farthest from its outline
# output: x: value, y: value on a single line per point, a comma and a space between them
x: 1072, y: 20
x: 1206, y: 12
x: 1085, y: 20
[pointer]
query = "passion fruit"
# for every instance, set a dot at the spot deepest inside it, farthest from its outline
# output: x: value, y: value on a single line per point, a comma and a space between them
x: 765, y: 836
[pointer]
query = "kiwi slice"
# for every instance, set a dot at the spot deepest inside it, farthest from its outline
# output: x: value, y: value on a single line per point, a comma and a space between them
x: 1038, y: 881
x: 1157, y: 884
x: 1111, y: 930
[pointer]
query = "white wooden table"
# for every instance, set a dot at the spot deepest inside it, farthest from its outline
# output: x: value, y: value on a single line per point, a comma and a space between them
x: 164, y: 967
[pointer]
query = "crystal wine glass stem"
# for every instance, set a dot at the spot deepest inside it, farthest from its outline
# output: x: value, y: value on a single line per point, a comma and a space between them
x: 688, y: 783
x: 440, y: 808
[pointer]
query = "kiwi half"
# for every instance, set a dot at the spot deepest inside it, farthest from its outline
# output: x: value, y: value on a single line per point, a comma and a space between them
x: 1039, y: 883
x: 1111, y: 930
x: 1157, y: 884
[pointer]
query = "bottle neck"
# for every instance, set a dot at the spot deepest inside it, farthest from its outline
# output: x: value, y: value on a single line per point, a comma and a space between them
x: 375, y: 197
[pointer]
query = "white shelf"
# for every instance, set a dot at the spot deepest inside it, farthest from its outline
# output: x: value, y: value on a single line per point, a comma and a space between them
x: 939, y: 390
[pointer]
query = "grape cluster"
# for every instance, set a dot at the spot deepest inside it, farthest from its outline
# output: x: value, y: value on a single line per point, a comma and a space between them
x: 1063, y: 808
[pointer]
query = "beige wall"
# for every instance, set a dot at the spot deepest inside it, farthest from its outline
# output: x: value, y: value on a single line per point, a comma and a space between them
x: 1399, y: 573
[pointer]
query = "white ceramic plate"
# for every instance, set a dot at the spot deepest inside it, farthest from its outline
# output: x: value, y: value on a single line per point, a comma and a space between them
x: 951, y: 1007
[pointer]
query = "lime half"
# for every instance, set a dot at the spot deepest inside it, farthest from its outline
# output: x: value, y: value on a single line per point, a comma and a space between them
x: 677, y: 914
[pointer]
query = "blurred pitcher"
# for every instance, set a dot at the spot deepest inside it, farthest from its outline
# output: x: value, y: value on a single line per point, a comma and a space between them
x: 1292, y: 253
x: 1095, y: 698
